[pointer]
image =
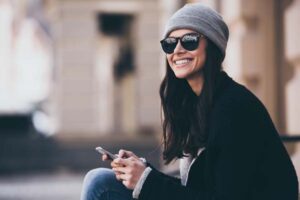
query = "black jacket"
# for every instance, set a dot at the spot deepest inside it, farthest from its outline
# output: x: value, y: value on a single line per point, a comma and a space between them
x: 244, y: 158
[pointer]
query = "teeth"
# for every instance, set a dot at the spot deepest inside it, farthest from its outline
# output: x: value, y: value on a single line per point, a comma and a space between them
x: 180, y: 62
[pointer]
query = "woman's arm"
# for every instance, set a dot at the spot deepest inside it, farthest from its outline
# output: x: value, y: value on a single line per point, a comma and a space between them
x: 159, y: 186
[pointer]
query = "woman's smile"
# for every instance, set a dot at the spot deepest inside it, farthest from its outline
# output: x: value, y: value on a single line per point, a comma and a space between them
x: 182, y: 62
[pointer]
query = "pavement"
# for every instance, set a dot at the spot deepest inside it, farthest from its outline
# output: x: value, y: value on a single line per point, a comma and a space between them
x: 45, y: 186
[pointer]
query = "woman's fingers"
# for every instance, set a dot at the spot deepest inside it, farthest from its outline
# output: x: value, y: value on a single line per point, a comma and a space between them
x: 125, y: 161
x: 104, y: 157
x: 121, y: 176
x: 123, y: 166
x: 114, y: 164
x: 126, y: 154
x: 118, y: 175
x: 107, y: 157
x: 121, y: 169
x: 129, y: 172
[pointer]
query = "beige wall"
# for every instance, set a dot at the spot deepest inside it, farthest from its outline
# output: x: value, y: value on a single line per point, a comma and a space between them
x: 87, y: 101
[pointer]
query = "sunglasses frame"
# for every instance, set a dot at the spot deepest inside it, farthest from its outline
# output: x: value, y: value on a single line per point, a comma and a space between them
x: 182, y: 43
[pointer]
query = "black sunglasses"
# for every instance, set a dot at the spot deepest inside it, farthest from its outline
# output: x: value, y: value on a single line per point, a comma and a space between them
x: 189, y: 41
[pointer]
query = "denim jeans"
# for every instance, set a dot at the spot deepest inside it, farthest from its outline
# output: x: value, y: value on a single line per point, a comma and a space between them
x: 101, y: 184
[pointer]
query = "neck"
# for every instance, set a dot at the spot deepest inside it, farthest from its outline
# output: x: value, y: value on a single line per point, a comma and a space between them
x: 196, y: 83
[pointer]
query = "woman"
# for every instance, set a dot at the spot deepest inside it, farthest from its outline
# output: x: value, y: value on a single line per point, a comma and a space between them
x: 228, y: 146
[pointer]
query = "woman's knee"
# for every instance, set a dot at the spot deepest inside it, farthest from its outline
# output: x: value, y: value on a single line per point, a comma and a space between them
x: 98, y: 183
x: 99, y: 178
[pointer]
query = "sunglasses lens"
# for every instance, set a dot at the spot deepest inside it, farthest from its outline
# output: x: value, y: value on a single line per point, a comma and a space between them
x: 168, y: 45
x: 190, y: 42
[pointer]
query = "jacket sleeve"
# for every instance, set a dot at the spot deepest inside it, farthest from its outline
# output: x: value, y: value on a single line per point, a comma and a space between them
x: 159, y: 186
x: 232, y: 171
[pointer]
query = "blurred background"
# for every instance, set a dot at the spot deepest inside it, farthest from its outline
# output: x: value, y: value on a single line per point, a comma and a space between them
x: 76, y: 74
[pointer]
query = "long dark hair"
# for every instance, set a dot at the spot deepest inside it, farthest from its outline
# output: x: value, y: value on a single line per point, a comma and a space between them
x: 186, y: 115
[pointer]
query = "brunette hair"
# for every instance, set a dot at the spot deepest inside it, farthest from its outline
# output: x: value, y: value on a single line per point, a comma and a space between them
x: 183, y: 109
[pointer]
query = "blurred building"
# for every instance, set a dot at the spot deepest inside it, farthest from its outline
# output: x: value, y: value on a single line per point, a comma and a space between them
x: 96, y: 65
x: 107, y: 66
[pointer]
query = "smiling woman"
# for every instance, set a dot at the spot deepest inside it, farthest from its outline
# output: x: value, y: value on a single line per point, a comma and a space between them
x: 211, y: 123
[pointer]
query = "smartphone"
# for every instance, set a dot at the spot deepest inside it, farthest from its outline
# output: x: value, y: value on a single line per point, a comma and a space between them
x: 110, y: 155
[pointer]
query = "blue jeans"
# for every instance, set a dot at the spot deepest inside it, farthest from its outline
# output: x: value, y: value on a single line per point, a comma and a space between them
x: 101, y: 184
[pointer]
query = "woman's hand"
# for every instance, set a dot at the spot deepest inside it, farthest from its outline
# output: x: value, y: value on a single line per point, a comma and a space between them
x: 128, y: 170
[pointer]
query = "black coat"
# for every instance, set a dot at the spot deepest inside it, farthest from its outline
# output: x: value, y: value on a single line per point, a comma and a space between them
x: 244, y: 157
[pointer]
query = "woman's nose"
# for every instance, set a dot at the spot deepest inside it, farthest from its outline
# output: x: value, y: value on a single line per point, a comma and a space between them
x: 179, y: 48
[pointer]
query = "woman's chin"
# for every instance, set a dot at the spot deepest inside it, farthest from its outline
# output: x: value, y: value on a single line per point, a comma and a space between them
x: 180, y: 75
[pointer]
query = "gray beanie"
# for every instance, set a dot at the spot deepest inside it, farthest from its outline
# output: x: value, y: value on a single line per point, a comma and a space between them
x: 202, y: 19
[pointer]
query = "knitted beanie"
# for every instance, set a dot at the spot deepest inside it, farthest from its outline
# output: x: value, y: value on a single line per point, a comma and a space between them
x: 201, y: 19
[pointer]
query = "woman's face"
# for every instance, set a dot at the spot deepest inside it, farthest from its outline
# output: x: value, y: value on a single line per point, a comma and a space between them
x: 187, y: 64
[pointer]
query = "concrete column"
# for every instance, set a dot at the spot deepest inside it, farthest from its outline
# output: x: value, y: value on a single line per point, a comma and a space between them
x: 75, y: 81
x: 292, y: 95
x: 292, y: 30
x: 251, y: 48
x: 107, y: 48
x: 148, y: 66
x: 6, y: 56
